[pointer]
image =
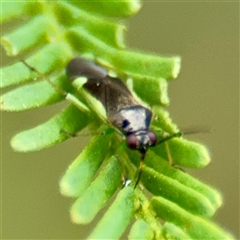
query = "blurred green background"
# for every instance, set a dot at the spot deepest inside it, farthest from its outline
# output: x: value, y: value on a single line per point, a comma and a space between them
x: 206, y: 35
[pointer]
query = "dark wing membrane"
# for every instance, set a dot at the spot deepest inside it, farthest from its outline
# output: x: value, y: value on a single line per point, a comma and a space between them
x: 81, y: 67
x: 118, y: 96
x: 112, y: 93
x: 97, y: 89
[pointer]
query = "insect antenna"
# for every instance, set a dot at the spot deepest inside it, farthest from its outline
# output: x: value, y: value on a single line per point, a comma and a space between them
x: 47, y: 79
x: 68, y: 96
x: 168, y: 137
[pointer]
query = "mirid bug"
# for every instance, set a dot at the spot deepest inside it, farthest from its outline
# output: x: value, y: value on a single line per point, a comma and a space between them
x: 123, y: 111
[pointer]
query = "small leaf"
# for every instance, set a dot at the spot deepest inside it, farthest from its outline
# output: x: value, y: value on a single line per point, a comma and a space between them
x: 109, y: 8
x: 141, y: 230
x: 154, y: 94
x: 184, y: 153
x: 16, y: 74
x: 80, y: 173
x: 50, y: 132
x: 11, y: 11
x: 162, y: 121
x: 58, y: 54
x: 172, y: 232
x: 14, y: 43
x: 171, y: 189
x: 143, y: 64
x: 162, y: 166
x: 117, y: 217
x: 98, y: 193
x: 109, y: 31
x: 196, y: 227
x: 33, y: 95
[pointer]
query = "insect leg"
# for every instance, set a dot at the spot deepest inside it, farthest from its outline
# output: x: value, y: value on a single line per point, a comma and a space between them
x: 140, y: 169
x: 164, y: 140
x: 170, y: 160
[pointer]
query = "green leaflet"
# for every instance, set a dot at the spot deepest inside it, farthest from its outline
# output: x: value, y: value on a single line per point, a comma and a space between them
x: 172, y: 189
x: 16, y: 74
x: 154, y: 94
x: 107, y: 30
x: 97, y: 194
x: 80, y: 173
x: 141, y: 230
x: 58, y: 55
x: 184, y: 153
x: 11, y: 11
x: 163, y: 167
x: 54, y: 131
x: 110, y: 9
x: 116, y: 219
x: 148, y: 65
x: 162, y: 122
x: 172, y: 232
x: 39, y: 94
x: 195, y: 226
x: 15, y: 44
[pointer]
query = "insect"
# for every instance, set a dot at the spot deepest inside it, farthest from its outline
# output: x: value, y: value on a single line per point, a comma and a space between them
x: 123, y: 111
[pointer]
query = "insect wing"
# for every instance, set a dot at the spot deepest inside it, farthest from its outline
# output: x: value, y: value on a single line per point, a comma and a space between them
x: 118, y: 96
x: 112, y: 93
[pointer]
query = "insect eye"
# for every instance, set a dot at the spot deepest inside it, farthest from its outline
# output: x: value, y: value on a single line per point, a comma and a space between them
x: 132, y: 141
x: 152, y: 138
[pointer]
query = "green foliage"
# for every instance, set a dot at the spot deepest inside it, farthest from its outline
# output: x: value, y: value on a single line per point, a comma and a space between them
x: 52, y: 33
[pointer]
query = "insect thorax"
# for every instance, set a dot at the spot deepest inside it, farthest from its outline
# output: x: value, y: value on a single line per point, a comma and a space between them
x: 132, y: 119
